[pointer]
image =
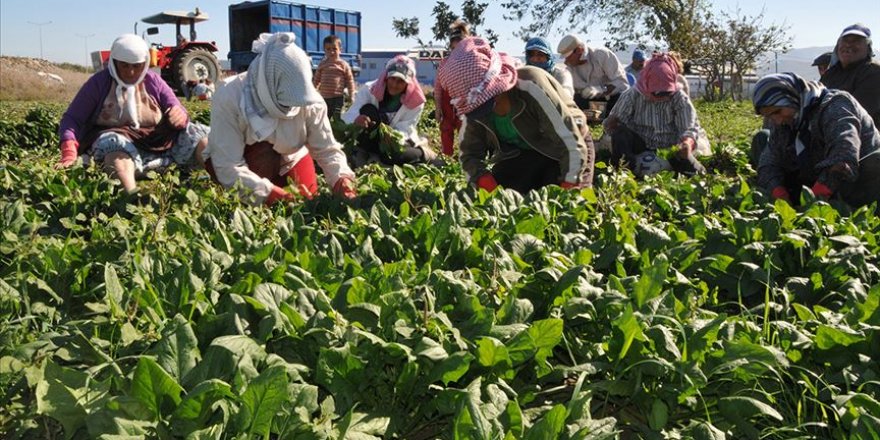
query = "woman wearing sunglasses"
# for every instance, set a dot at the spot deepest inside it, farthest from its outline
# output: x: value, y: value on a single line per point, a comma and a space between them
x: 655, y: 114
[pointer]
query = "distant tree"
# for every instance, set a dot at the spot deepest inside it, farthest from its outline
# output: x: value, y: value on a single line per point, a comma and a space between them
x: 678, y: 24
x: 731, y: 50
x: 407, y: 28
x: 443, y: 17
x: 472, y: 12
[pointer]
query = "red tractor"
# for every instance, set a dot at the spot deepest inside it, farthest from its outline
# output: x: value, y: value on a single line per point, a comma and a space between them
x: 183, y: 64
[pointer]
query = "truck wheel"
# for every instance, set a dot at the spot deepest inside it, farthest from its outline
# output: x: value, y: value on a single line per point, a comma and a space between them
x: 196, y: 64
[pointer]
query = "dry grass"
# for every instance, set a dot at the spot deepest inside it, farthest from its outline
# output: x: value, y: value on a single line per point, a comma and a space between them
x: 19, y: 80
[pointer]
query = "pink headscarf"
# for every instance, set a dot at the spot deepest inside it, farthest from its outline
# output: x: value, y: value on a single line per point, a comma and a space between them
x: 658, y: 75
x: 413, y: 96
x: 474, y: 73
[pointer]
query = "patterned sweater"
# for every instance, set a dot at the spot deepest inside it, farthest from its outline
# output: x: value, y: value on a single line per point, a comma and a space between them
x: 659, y: 123
x: 333, y: 77
x: 841, y: 132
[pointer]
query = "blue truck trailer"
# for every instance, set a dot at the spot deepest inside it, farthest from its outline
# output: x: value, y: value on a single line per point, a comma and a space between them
x: 311, y: 24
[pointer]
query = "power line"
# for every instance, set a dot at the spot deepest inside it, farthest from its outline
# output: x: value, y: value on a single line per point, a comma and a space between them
x: 40, y: 26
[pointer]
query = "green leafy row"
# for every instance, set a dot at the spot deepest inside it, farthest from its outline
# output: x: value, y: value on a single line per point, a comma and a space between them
x: 664, y: 308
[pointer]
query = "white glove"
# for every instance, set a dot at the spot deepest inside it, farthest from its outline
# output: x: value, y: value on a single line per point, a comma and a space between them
x: 592, y: 92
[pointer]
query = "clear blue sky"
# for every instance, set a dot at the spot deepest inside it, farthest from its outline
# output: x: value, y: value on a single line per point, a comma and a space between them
x: 81, y: 25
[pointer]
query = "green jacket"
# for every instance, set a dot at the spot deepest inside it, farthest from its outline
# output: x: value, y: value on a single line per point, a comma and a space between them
x: 546, y: 118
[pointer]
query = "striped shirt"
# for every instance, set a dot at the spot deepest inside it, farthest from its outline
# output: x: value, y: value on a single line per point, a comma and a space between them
x: 659, y: 123
x: 333, y: 77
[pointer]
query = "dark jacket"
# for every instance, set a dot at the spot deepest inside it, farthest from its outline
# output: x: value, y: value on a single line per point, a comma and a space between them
x: 546, y: 118
x: 841, y: 138
x: 862, y: 80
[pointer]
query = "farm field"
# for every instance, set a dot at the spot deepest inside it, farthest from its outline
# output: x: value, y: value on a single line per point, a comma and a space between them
x: 664, y: 308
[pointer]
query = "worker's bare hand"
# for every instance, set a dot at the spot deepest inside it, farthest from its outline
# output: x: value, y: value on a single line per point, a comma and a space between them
x: 363, y: 121
x: 177, y: 117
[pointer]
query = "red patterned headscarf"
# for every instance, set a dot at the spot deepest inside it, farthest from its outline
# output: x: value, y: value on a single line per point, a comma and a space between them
x: 404, y: 66
x: 659, y: 75
x: 474, y: 73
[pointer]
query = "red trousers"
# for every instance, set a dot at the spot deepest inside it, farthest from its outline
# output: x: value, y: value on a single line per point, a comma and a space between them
x: 266, y: 162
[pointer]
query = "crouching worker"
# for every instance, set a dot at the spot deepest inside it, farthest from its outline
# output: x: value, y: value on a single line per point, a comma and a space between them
x: 267, y: 125
x: 653, y: 115
x: 523, y: 130
x: 820, y: 138
x: 128, y: 119
x: 388, y: 109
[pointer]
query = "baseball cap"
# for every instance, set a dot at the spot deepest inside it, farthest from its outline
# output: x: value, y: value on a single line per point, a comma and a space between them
x: 825, y: 58
x: 639, y: 55
x: 568, y: 44
x: 856, y: 29
x: 398, y: 70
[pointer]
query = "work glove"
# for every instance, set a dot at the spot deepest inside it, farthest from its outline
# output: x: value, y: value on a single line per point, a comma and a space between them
x: 592, y: 92
x: 822, y: 190
x: 278, y: 194
x: 780, y: 193
x: 344, y: 188
x: 68, y: 153
x: 487, y: 182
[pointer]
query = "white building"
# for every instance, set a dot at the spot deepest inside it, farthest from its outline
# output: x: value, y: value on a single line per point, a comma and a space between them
x: 427, y: 60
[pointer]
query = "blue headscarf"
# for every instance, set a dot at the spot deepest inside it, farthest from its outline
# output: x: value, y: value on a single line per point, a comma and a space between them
x: 541, y: 45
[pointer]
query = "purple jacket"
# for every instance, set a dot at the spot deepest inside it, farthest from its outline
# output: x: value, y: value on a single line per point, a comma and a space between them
x: 83, y: 110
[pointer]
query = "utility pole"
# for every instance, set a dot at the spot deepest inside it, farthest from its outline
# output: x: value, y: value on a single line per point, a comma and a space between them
x: 40, y: 26
x: 86, y: 45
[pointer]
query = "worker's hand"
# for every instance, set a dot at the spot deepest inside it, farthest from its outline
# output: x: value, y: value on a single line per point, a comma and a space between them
x: 345, y: 188
x: 278, y: 194
x: 686, y: 147
x: 68, y: 154
x: 592, y: 92
x: 363, y: 121
x: 177, y: 117
x: 569, y: 185
x: 610, y: 124
x: 487, y: 182
x: 780, y: 193
x: 822, y: 190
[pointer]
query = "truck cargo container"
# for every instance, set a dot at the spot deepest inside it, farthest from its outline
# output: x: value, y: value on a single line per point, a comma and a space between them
x: 311, y: 24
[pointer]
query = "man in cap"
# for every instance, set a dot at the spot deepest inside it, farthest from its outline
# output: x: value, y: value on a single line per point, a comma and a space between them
x: 854, y: 69
x: 821, y: 62
x: 638, y: 63
x: 596, y: 72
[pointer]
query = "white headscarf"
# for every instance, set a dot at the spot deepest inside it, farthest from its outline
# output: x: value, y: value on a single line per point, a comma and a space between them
x: 129, y: 48
x: 278, y: 83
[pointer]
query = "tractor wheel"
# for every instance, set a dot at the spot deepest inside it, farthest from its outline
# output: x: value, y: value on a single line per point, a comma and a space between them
x: 194, y: 65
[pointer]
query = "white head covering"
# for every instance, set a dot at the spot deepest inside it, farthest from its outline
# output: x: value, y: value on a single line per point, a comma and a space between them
x: 129, y: 48
x: 279, y: 81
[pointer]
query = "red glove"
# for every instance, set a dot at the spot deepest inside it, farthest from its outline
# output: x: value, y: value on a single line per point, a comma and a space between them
x: 68, y: 153
x: 487, y: 182
x: 569, y: 185
x: 278, y: 194
x: 822, y: 190
x: 345, y: 188
x: 780, y: 193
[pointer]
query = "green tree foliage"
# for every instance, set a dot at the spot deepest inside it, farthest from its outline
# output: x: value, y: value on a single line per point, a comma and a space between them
x: 473, y: 13
x: 676, y: 23
x: 731, y: 49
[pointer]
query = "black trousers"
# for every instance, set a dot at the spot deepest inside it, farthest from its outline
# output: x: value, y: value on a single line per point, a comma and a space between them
x: 527, y: 171
x: 626, y: 144
x: 334, y: 107
x: 368, y: 141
